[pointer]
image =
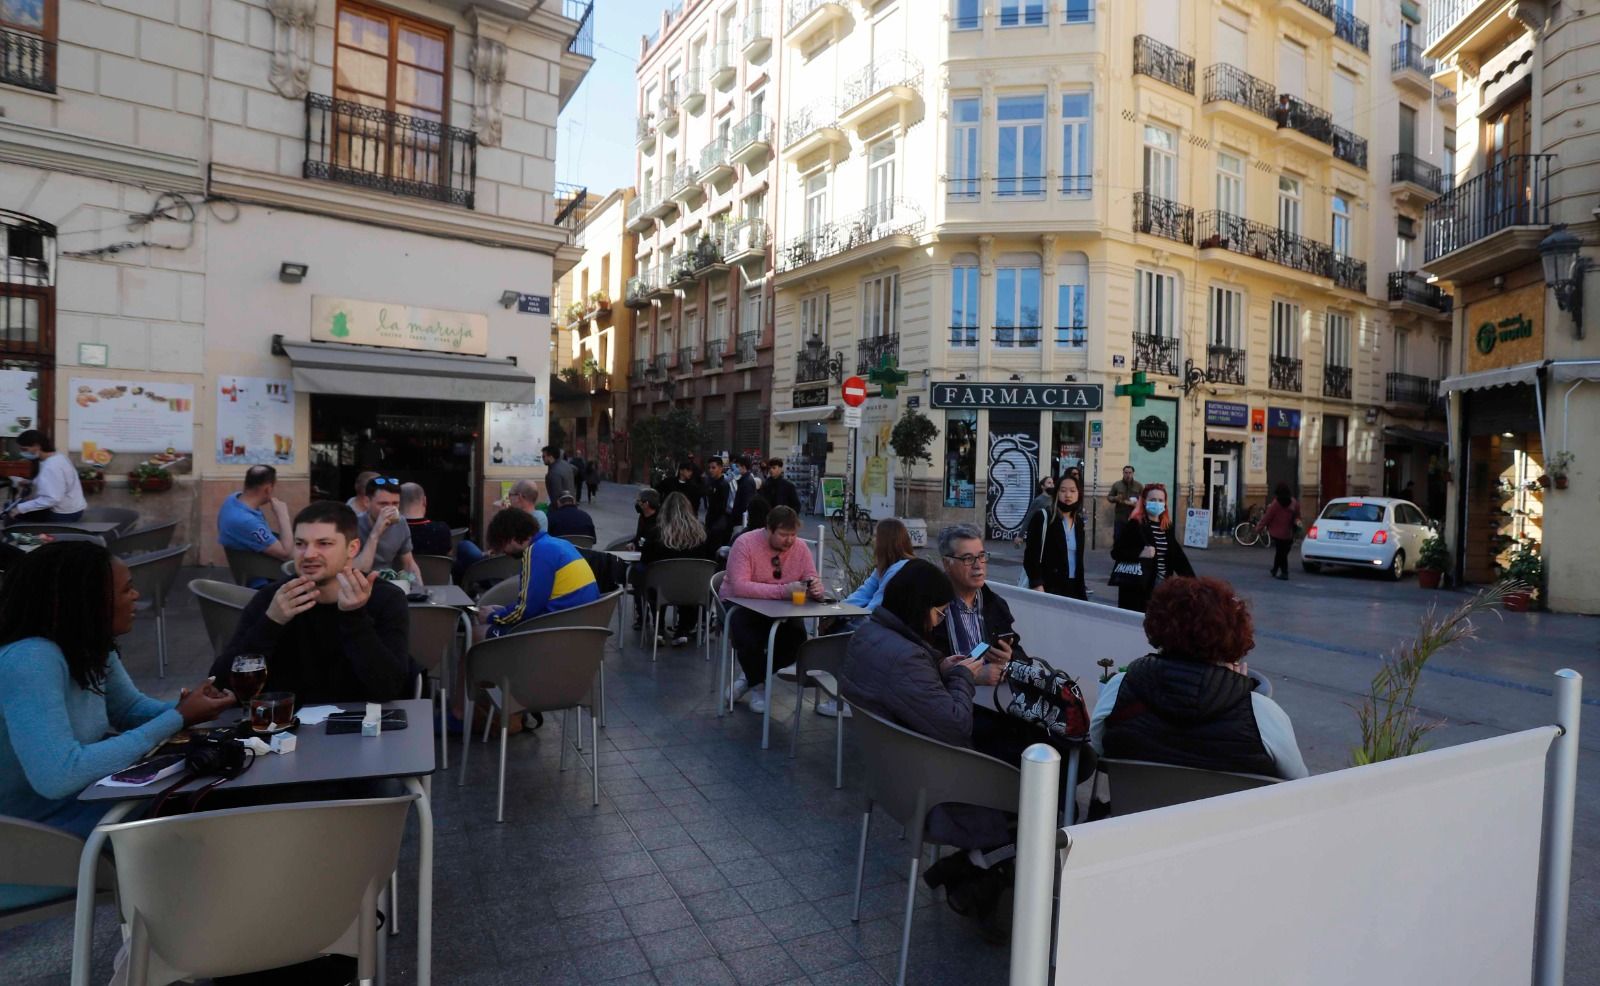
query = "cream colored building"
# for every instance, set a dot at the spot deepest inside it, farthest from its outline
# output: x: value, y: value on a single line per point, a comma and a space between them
x: 322, y: 210
x: 1024, y: 205
x: 1524, y: 384
x: 591, y: 338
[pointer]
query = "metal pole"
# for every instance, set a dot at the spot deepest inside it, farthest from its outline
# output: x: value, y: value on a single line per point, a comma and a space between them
x: 1555, y: 863
x: 1036, y: 866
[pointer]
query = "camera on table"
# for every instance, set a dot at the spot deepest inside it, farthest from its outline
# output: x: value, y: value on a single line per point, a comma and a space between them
x: 216, y: 751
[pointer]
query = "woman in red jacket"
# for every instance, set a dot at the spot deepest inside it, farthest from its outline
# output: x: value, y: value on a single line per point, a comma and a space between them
x: 1283, y: 514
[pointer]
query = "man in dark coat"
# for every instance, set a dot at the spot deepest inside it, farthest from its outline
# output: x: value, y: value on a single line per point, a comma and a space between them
x: 684, y: 482
x: 779, y: 492
x: 745, y: 490
x: 719, y: 506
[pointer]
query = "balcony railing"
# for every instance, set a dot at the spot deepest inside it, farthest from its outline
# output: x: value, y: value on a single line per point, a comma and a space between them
x: 1284, y: 373
x: 27, y: 60
x: 879, y: 221
x: 1225, y: 83
x: 582, y: 40
x: 870, y: 352
x: 637, y: 371
x: 644, y: 128
x: 708, y: 252
x: 808, y: 120
x: 1349, y: 28
x: 963, y: 337
x: 1225, y: 364
x: 370, y: 147
x: 753, y: 128
x: 1020, y: 187
x: 1224, y: 231
x: 745, y: 346
x: 1407, y: 56
x: 723, y: 67
x: 1444, y: 15
x: 1348, y: 273
x: 1404, y: 388
x: 1017, y: 336
x: 1336, y: 381
x: 885, y: 71
x: 714, y: 353
x: 1409, y: 286
x: 749, y: 236
x: 1409, y: 167
x: 1323, y: 7
x: 1161, y: 217
x: 1072, y: 336
x: 1155, y: 354
x: 1164, y: 64
x: 799, y: 10
x: 570, y: 201
x: 636, y: 294
x: 659, y: 365
x: 1514, y: 192
x: 1298, y: 115
x: 686, y: 356
x: 757, y: 27
x: 1349, y: 148
x: 681, y: 267
x: 809, y: 370
x: 714, y: 155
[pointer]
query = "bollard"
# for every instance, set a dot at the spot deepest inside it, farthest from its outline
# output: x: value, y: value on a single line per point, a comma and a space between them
x: 1033, y: 899
x: 1555, y: 863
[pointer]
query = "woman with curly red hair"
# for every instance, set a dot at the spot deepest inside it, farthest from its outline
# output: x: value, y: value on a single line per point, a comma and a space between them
x: 1192, y: 703
x: 1149, y: 539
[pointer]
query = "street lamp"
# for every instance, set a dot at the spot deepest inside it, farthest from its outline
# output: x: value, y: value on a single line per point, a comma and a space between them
x: 1564, y: 267
x: 816, y: 354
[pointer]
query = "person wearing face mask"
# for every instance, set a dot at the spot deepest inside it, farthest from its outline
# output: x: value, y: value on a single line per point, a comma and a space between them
x: 1040, y: 505
x: 1053, y: 557
x: 57, y: 496
x: 1149, y: 539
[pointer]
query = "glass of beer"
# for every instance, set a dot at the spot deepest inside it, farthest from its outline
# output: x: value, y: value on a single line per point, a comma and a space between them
x: 247, y: 676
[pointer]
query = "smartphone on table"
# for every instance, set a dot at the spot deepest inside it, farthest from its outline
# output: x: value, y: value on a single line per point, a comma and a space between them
x: 154, y: 769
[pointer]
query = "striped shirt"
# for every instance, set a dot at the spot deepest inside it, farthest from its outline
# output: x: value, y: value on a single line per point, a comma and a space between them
x: 1158, y: 538
x: 554, y: 576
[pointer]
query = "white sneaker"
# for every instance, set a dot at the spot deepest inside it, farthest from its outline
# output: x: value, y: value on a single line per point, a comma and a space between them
x: 758, y: 699
x: 830, y: 708
x: 734, y: 693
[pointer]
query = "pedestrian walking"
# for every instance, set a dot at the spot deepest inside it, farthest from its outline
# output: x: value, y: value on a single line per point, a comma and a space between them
x: 1147, y: 540
x: 591, y: 478
x: 1124, y: 496
x: 1040, y: 505
x: 1280, y: 521
x: 1053, y: 558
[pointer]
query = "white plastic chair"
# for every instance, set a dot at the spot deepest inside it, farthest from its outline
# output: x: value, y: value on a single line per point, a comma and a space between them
x: 35, y: 855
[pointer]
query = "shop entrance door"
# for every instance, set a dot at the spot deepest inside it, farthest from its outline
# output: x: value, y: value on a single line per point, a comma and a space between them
x: 1221, y: 495
x: 434, y: 443
x: 1335, y: 460
x: 1013, y: 471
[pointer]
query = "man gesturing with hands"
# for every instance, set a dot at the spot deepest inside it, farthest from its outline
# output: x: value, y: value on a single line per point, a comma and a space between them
x: 331, y: 633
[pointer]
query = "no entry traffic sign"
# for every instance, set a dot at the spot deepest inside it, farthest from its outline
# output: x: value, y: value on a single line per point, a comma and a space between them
x: 855, y: 391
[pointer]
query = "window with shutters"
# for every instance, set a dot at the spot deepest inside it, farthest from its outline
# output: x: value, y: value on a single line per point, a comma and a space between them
x: 398, y: 65
x: 1230, y: 184
x: 1156, y: 303
x: 1226, y: 318
x: 1285, y: 330
x: 1336, y: 344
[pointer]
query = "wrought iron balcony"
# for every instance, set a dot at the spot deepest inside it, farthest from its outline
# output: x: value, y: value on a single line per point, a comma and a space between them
x: 879, y: 221
x: 744, y: 239
x: 963, y: 337
x: 714, y: 164
x: 1161, y: 217
x: 1164, y: 64
x: 1444, y: 15
x: 637, y: 371
x: 888, y: 71
x: 1349, y: 28
x: 1406, y: 56
x: 1284, y: 373
x: 1156, y: 354
x: 582, y: 40
x: 27, y: 60
x: 714, y: 352
x: 659, y: 365
x: 1226, y: 83
x: 370, y: 147
x: 1514, y: 192
x: 1323, y: 7
x: 808, y: 120
x: 1072, y: 336
x: 1410, y: 287
x: 811, y: 370
x: 745, y: 347
x: 681, y: 268
x: 1410, y: 168
x: 636, y: 294
x: 1225, y: 365
x: 570, y: 201
x: 1405, y: 388
x: 870, y: 352
x: 686, y: 356
x: 1336, y: 381
x: 1224, y: 231
x: 644, y: 132
x: 707, y: 253
x: 1347, y: 272
x: 1349, y: 148
x: 694, y: 88
x: 1300, y: 116
x: 750, y: 138
x: 1017, y: 336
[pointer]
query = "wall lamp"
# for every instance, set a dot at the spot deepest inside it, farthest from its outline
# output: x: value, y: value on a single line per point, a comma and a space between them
x: 290, y: 272
x: 508, y: 298
x: 817, y: 355
x: 1564, y: 267
x: 1016, y: 378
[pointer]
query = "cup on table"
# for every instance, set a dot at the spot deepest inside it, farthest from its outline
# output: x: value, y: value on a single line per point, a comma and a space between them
x: 271, y: 710
x: 798, y: 597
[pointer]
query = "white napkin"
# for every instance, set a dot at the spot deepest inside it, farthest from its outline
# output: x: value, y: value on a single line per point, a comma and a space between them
x: 313, y: 714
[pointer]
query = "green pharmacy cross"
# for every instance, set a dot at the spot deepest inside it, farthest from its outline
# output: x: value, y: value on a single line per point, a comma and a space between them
x: 1139, y: 389
x: 887, y: 376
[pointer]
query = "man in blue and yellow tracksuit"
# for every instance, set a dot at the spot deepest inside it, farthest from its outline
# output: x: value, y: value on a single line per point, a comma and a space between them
x: 554, y: 575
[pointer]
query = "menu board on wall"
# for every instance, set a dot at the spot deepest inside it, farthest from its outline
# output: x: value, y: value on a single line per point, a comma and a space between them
x: 516, y: 434
x: 129, y: 416
x: 19, y: 401
x: 255, y: 421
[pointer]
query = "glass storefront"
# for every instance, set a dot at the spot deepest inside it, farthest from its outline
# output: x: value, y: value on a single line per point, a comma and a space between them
x: 960, y: 458
x: 1066, y: 442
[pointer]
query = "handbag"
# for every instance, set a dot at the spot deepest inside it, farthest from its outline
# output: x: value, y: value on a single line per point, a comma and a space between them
x: 1044, y: 697
x: 1128, y: 574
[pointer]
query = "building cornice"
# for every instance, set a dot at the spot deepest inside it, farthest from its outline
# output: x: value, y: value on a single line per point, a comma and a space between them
x: 59, y: 150
x: 358, y: 205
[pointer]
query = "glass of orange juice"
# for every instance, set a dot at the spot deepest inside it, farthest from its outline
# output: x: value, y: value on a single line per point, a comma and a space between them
x: 798, y: 597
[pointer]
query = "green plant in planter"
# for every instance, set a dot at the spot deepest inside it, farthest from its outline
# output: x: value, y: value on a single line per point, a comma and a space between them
x: 1559, y: 463
x: 1433, y: 555
x: 1527, y: 566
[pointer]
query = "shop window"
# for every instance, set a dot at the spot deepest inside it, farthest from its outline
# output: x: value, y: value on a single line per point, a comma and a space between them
x: 27, y: 316
x: 960, y: 458
x: 1066, y: 446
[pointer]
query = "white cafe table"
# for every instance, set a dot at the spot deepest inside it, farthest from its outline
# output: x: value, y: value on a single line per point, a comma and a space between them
x: 446, y: 595
x: 628, y: 556
x: 406, y: 755
x: 777, y: 610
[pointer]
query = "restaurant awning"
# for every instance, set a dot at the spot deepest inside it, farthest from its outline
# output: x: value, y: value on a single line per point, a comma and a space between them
x: 797, y: 414
x: 1404, y: 434
x: 1505, y: 377
x: 1566, y: 371
x: 366, y: 371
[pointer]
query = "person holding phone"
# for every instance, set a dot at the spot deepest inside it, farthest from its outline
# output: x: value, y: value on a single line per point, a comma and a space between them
x: 63, y: 690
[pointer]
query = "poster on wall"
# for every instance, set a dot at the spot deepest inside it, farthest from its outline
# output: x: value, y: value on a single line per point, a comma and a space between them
x: 255, y: 421
x: 1013, y: 471
x: 516, y: 434
x: 875, y: 467
x: 1197, y: 527
x: 1258, y: 453
x: 832, y: 493
x: 129, y: 416
x: 1153, y: 450
x: 19, y: 400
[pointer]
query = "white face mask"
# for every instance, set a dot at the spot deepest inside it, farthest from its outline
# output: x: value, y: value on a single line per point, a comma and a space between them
x: 1155, y: 508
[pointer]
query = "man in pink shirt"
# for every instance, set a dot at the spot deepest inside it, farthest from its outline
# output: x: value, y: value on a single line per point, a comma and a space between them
x: 767, y: 564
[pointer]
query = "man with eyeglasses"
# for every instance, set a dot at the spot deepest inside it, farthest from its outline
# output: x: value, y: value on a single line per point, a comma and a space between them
x: 770, y: 563
x: 385, y: 535
x: 977, y: 615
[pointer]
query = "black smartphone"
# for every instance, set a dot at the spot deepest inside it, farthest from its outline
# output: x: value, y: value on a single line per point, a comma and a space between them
x: 350, y: 722
x: 150, y: 770
x: 1010, y: 637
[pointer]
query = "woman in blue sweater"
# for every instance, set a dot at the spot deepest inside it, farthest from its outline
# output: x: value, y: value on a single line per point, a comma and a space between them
x: 63, y: 689
x: 891, y: 548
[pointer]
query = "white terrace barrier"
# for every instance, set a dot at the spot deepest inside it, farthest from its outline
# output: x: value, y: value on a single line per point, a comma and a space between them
x: 1451, y: 866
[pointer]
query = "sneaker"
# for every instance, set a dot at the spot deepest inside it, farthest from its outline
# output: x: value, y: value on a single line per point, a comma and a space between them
x: 758, y: 699
x: 740, y: 686
x: 679, y: 641
x: 830, y: 708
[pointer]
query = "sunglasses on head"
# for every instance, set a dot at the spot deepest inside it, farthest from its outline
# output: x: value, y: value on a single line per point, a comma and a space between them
x: 385, y: 481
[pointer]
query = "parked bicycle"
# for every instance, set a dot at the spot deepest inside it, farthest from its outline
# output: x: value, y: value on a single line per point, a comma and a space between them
x: 1246, y: 535
x: 852, y: 518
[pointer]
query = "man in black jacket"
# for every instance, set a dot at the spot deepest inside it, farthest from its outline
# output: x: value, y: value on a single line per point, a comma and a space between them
x: 744, y: 490
x: 719, y: 506
x: 684, y: 482
x: 331, y: 633
x: 779, y: 492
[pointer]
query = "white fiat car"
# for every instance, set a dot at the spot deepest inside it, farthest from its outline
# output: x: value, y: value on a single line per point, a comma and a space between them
x: 1377, y: 533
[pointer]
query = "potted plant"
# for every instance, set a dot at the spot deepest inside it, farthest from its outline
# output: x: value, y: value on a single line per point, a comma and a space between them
x: 1527, y: 568
x: 1558, y: 466
x: 1432, y: 560
x: 148, y: 478
x: 599, y: 302
x: 92, y: 480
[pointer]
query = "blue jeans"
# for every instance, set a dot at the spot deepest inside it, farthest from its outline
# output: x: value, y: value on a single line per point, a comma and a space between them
x: 466, y: 554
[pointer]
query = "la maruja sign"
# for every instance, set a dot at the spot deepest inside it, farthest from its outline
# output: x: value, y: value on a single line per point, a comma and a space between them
x: 1072, y: 396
